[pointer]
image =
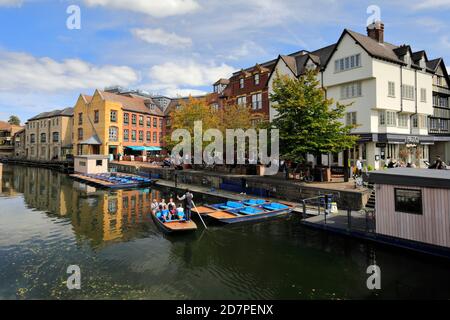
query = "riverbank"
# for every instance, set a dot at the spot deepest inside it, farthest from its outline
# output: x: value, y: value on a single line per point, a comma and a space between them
x: 345, y: 194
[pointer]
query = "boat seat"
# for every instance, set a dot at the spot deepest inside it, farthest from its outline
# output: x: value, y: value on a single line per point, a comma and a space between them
x: 275, y: 206
x: 254, y: 202
x: 251, y: 210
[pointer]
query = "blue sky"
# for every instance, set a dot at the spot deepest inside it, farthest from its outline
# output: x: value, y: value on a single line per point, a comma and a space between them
x: 177, y: 47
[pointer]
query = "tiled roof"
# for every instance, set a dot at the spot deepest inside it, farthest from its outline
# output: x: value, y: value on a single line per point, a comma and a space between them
x: 6, y: 126
x: 133, y: 103
x: 67, y: 112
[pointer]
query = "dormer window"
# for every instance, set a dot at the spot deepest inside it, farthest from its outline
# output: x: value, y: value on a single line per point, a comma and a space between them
x: 216, y: 89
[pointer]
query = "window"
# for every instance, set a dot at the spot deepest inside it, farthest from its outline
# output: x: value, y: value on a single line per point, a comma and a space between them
x: 80, y: 118
x: 242, y: 101
x: 141, y: 121
x: 423, y: 95
x: 113, y: 116
x: 99, y: 163
x: 133, y: 119
x: 96, y: 116
x: 155, y: 122
x: 415, y: 122
x: 80, y: 134
x: 161, y: 123
x: 257, y: 79
x: 391, y: 118
x: 43, y: 138
x: 149, y: 136
x: 391, y: 89
x: 241, y: 83
x: 155, y: 137
x: 133, y: 135
x: 82, y: 163
x: 32, y: 138
x: 351, y: 119
x: 141, y: 135
x: 351, y: 90
x: 149, y: 122
x: 408, y: 201
x: 347, y: 63
x: 126, y: 135
x: 55, y: 136
x: 113, y: 134
x: 126, y: 118
x: 257, y: 101
x: 403, y: 120
x: 408, y: 92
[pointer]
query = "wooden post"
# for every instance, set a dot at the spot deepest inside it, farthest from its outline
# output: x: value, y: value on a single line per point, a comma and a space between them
x: 349, y: 219
x: 346, y: 166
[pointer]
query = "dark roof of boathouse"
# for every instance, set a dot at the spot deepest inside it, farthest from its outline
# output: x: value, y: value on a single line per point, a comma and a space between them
x: 411, y: 177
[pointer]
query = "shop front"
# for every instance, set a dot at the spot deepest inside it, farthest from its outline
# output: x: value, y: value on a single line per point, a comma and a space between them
x: 377, y: 149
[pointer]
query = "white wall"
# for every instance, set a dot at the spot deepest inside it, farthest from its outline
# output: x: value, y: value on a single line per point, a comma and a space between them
x: 280, y: 69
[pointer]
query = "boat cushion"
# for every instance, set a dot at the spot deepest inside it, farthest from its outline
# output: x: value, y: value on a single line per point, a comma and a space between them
x: 254, y: 202
x: 251, y: 210
x: 275, y: 206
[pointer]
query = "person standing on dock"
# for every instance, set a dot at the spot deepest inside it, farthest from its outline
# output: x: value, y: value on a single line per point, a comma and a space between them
x: 188, y: 204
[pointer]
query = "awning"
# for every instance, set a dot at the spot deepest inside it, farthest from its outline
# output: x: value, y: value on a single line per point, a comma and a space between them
x: 93, y: 141
x: 141, y: 148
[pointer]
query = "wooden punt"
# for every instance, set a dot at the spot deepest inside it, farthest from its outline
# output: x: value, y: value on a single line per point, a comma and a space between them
x: 174, y: 226
x: 233, y: 217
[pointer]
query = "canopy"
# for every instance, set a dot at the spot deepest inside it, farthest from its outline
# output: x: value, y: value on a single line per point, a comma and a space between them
x: 140, y: 148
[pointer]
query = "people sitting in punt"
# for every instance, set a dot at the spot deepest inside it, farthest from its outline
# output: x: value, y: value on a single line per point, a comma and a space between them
x: 168, y: 211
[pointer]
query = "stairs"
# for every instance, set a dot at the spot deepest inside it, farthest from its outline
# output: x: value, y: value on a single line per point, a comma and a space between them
x: 372, y: 200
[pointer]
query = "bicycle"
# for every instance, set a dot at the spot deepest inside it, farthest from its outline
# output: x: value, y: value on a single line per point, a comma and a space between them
x: 306, y: 176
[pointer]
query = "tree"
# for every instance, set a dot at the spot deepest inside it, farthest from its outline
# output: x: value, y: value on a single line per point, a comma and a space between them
x: 189, y: 112
x: 234, y: 117
x: 14, y: 120
x: 309, y: 123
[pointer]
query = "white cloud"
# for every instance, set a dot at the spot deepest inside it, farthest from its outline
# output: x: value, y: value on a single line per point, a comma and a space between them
x: 431, y: 24
x: 189, y: 73
x: 432, y: 4
x: 155, y: 8
x: 249, y: 48
x: 159, y: 36
x: 22, y: 71
x: 11, y: 3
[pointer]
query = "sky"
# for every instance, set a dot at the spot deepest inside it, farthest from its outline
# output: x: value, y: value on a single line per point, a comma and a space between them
x: 179, y: 47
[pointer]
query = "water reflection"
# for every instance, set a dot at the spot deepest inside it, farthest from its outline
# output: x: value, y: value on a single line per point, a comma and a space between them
x: 49, y: 221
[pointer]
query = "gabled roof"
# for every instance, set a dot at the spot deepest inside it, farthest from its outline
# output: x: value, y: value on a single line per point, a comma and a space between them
x: 290, y: 62
x: 6, y: 126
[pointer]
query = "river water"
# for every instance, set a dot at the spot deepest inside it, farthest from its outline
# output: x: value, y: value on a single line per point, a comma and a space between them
x: 49, y: 222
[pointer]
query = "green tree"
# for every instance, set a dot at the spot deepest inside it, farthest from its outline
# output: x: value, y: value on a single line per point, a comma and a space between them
x: 14, y: 120
x: 309, y: 123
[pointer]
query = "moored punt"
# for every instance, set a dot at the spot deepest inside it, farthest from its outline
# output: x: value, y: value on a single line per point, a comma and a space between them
x: 174, y: 226
x: 256, y: 213
x: 113, y: 181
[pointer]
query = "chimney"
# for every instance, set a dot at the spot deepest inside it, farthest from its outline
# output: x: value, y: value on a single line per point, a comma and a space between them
x: 376, y: 31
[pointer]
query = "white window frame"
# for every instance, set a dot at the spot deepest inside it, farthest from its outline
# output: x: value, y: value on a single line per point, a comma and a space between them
x: 391, y: 89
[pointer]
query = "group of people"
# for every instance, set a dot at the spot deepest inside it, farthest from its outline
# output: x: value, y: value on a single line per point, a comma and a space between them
x: 438, y: 164
x: 170, y: 212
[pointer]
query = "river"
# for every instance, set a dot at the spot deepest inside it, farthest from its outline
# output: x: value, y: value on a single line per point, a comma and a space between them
x: 49, y: 221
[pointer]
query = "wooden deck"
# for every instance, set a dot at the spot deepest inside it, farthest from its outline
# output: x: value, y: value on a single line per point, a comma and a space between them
x: 180, y: 226
x: 108, y: 184
x: 221, y: 215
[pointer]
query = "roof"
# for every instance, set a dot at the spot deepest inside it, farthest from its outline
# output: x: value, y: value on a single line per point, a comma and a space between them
x: 222, y: 81
x: 412, y: 177
x: 175, y: 102
x: 92, y: 141
x: 6, y: 126
x: 67, y: 112
x: 133, y: 103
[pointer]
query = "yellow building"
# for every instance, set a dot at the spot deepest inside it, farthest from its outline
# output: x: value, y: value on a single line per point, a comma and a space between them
x: 108, y: 122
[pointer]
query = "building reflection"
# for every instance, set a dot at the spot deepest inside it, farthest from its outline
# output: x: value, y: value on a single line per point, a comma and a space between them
x: 97, y: 215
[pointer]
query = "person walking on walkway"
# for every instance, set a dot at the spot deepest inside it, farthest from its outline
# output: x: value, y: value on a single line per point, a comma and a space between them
x: 188, y: 203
